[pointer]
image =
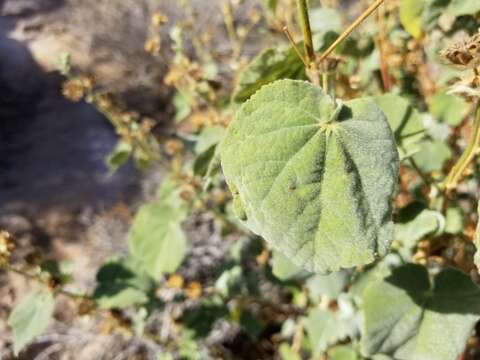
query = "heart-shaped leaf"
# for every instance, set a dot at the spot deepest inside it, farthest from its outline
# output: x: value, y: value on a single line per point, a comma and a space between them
x: 314, y: 177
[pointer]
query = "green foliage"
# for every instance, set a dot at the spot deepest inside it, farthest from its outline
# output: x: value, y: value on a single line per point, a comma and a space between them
x: 326, y: 328
x: 156, y: 238
x: 119, y: 156
x: 463, y: 7
x: 30, y: 318
x: 407, y: 317
x: 411, y: 16
x: 270, y: 65
x: 405, y: 122
x: 120, y: 284
x: 432, y: 155
x: 447, y: 108
x: 322, y: 201
x: 283, y: 268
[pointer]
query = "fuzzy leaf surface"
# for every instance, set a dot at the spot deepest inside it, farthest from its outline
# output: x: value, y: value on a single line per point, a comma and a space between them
x: 312, y: 177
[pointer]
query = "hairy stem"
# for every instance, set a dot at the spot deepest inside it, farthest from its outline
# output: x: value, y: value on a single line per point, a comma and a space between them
x: 307, y: 32
x: 458, y: 170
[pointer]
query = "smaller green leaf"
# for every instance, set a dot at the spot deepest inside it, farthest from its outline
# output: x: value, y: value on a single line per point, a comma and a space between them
x: 252, y: 326
x: 119, y: 156
x: 200, y: 320
x: 120, y: 284
x: 30, y: 318
x: 270, y: 65
x: 343, y: 352
x: 287, y: 353
x: 283, y: 268
x: 330, y: 285
x: 411, y: 16
x: 432, y: 155
x: 230, y: 282
x: 405, y: 122
x: 182, y: 106
x: 156, y: 238
x: 448, y: 108
x: 415, y: 222
x: 455, y: 220
x: 209, y: 136
x: 325, y: 328
x: 463, y: 7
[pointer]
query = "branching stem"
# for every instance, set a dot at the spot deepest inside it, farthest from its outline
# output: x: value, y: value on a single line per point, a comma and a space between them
x: 350, y: 29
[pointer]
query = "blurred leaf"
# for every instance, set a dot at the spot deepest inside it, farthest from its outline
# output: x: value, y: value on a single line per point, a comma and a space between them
x: 201, y: 318
x: 324, y: 19
x: 270, y: 65
x: 202, y: 162
x: 252, y: 326
x: 447, y: 108
x: 230, y: 282
x: 165, y: 356
x: 207, y: 150
x: 119, y: 156
x: 463, y: 7
x: 61, y: 271
x: 455, y: 220
x: 411, y: 16
x: 432, y: 155
x: 432, y: 11
x: 287, y: 353
x: 342, y: 352
x: 30, y: 318
x: 476, y: 240
x: 405, y: 122
x: 182, y: 106
x: 210, y: 135
x: 270, y: 5
x: 120, y: 284
x: 156, y: 238
x: 330, y: 285
x: 415, y: 222
x: 283, y: 268
x: 326, y: 328
x: 407, y: 317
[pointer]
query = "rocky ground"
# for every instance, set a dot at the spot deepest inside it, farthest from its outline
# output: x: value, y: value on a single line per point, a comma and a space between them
x: 56, y: 194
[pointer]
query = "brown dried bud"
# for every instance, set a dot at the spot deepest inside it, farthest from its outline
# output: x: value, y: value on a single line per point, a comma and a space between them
x: 465, y: 53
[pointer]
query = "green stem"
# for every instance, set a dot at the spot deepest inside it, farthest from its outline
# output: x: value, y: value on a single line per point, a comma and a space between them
x: 458, y: 170
x: 307, y: 32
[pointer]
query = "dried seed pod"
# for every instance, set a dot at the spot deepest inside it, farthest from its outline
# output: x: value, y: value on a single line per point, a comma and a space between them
x: 465, y: 53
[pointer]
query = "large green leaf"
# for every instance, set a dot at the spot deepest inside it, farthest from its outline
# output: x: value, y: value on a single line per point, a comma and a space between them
x: 156, y: 238
x: 407, y: 317
x: 405, y: 122
x: 411, y: 16
x: 270, y: 65
x: 313, y: 177
x: 120, y: 284
x: 30, y: 318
